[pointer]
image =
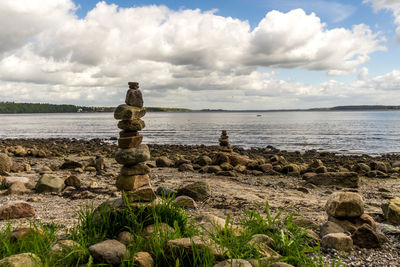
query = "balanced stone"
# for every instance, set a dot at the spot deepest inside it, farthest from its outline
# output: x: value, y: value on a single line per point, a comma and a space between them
x: 144, y: 193
x: 126, y: 112
x: 130, y: 142
x: 131, y: 125
x: 128, y: 134
x: 132, y: 156
x: 133, y: 85
x: 134, y: 98
x: 132, y: 182
x: 138, y: 169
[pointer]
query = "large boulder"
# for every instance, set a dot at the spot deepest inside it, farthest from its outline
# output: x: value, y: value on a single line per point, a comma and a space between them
x: 109, y: 251
x: 5, y: 163
x: 133, y: 156
x: 21, y: 260
x: 345, y: 204
x: 15, y: 210
x: 48, y: 183
x: 199, y: 190
x: 391, y: 210
x: 344, y: 179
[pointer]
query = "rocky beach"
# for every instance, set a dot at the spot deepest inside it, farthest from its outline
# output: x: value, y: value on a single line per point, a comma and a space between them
x: 225, y: 183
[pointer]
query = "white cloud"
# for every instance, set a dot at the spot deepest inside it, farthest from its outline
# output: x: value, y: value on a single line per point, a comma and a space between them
x: 176, y: 55
x: 393, y: 6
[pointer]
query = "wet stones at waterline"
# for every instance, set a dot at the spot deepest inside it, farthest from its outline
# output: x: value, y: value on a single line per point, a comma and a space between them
x: 134, y: 178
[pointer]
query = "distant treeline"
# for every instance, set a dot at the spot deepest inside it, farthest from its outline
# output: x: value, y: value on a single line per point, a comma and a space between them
x: 12, y: 107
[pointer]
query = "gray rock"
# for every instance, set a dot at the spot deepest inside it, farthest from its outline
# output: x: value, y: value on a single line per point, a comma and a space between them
x: 154, y: 231
x: 64, y: 246
x: 109, y: 251
x: 48, y: 183
x: 388, y: 229
x: 165, y: 191
x: 133, y: 156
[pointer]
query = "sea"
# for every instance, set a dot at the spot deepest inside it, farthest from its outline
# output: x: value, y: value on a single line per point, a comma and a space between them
x: 335, y: 131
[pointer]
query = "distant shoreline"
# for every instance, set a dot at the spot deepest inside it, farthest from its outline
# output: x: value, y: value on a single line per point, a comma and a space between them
x: 22, y: 108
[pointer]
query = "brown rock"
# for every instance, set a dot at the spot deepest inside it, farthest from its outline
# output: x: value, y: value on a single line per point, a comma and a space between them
x: 391, y: 210
x: 129, y: 183
x: 330, y: 228
x: 339, y: 241
x: 24, y: 232
x: 195, y: 244
x: 125, y: 237
x: 15, y: 210
x: 185, y: 202
x: 133, y: 85
x: 128, y: 134
x: 130, y: 142
x: 142, y: 194
x: 134, y: 98
x: 345, y: 179
x: 5, y: 163
x: 138, y: 169
x: 345, y: 204
x: 17, y: 188
x: 21, y: 260
x: 154, y: 231
x: 125, y: 112
x: 131, y: 125
x: 366, y: 237
x: 143, y: 259
x: 163, y: 161
x: 73, y: 180
x: 133, y: 156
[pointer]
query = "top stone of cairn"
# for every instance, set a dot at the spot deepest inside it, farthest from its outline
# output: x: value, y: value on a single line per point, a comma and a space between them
x: 133, y: 85
x: 134, y: 96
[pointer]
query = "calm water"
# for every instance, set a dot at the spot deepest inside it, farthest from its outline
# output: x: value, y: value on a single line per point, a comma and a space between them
x: 360, y: 131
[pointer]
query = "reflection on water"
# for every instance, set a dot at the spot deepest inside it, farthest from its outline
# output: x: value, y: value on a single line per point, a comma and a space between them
x: 334, y: 131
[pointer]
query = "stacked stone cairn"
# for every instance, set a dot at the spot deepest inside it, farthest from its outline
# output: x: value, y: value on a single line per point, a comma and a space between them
x: 134, y: 179
x: 348, y: 225
x: 224, y: 142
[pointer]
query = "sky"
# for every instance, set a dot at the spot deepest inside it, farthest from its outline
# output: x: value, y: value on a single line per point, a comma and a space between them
x: 236, y: 54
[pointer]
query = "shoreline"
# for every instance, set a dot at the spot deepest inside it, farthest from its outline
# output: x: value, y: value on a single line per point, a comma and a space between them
x: 112, y: 141
x: 282, y: 185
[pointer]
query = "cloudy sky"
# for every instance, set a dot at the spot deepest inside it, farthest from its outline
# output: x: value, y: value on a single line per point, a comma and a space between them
x: 236, y: 54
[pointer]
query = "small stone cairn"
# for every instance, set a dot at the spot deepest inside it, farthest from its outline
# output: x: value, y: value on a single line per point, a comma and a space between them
x: 134, y: 179
x: 224, y: 142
